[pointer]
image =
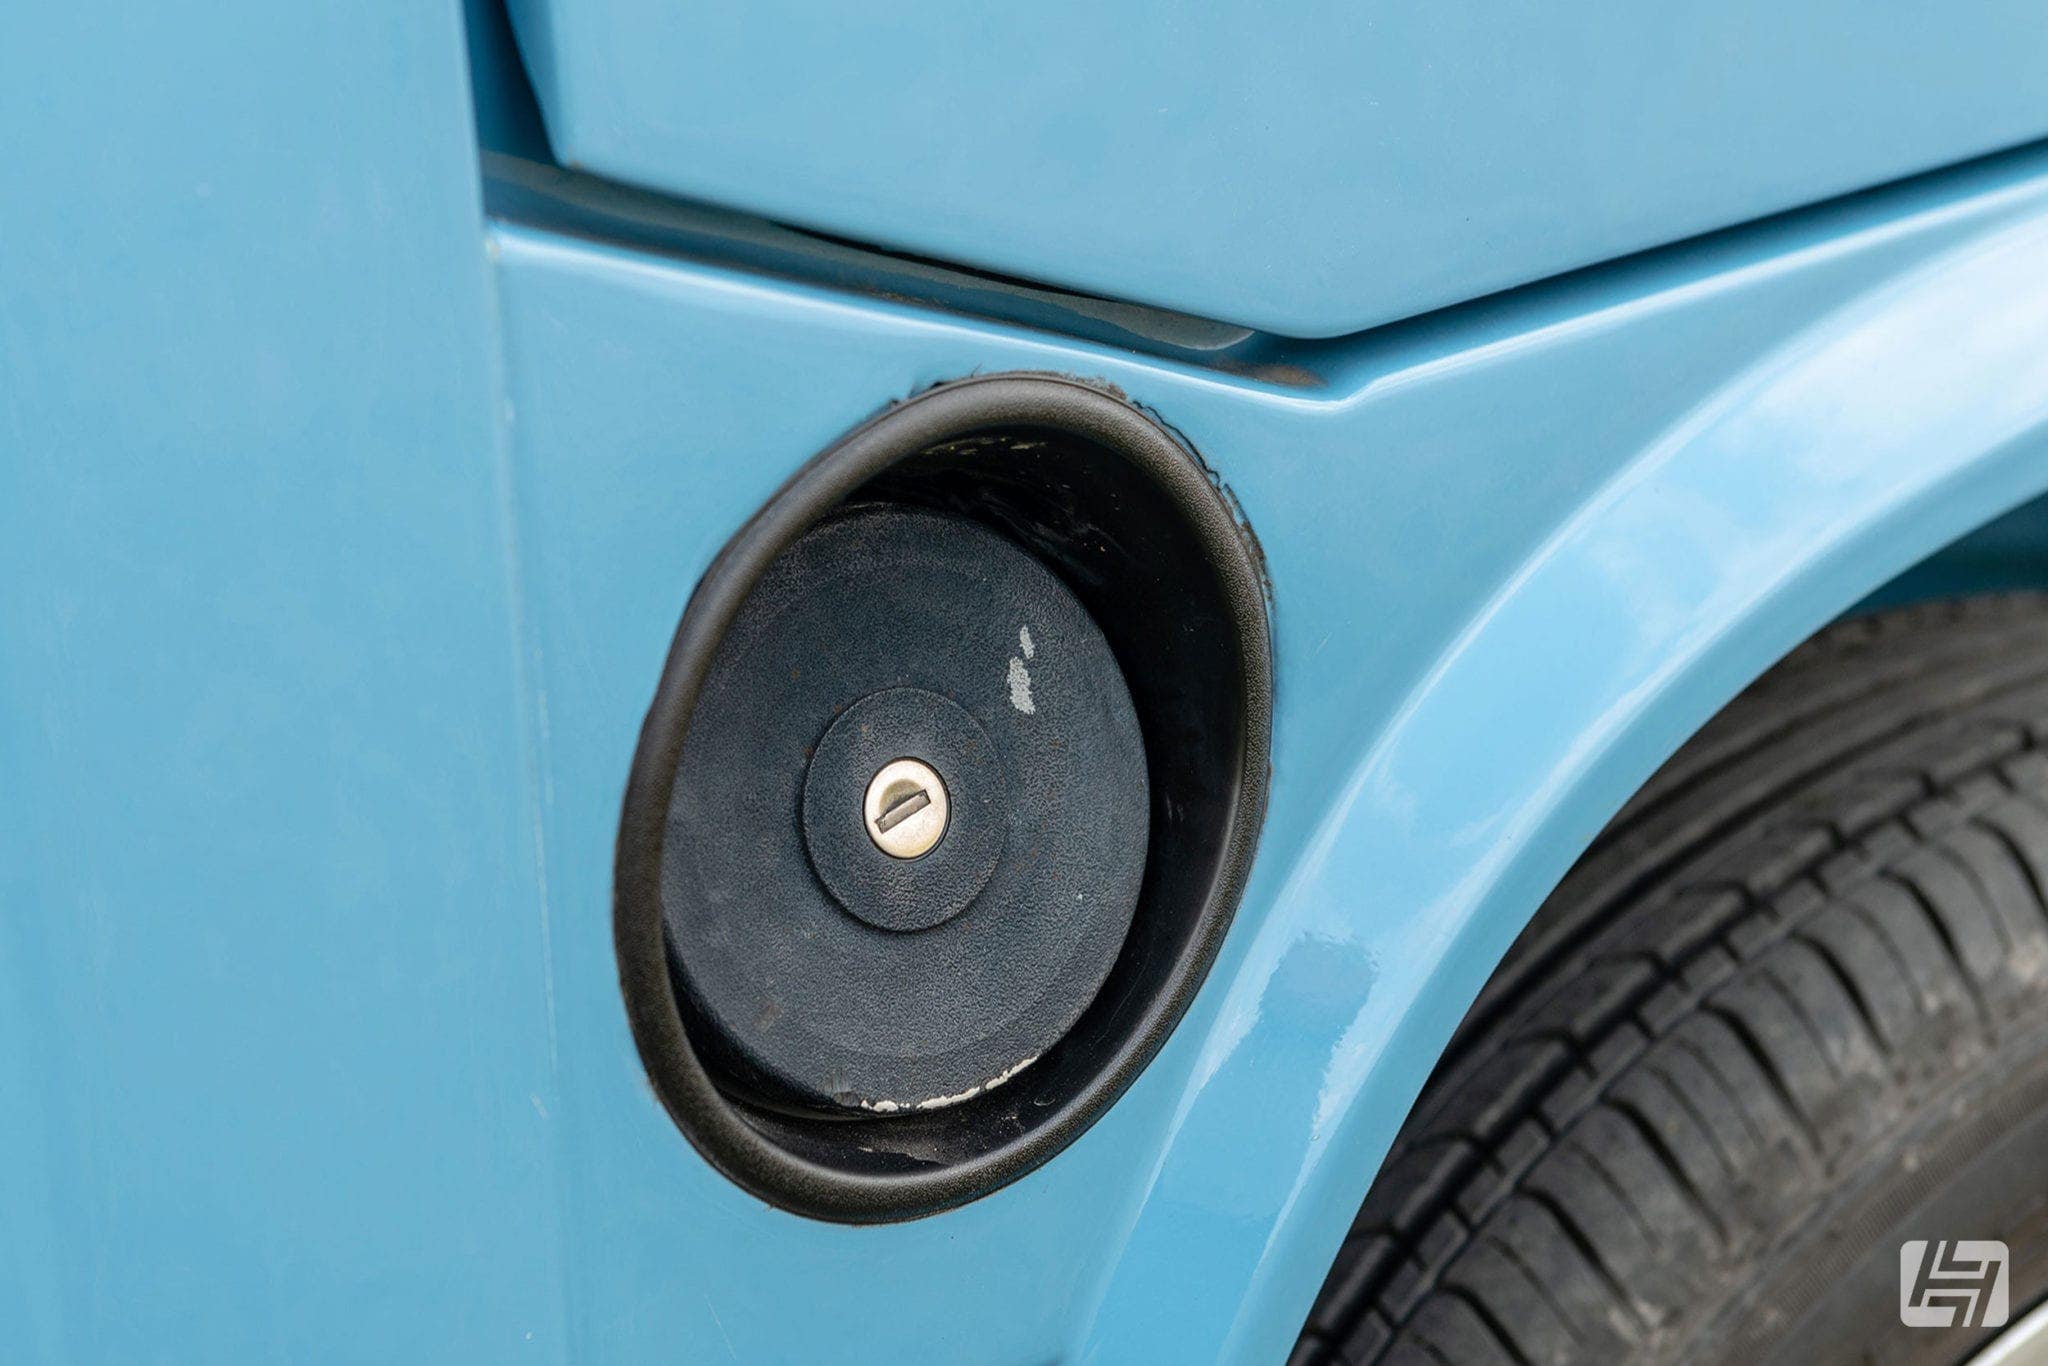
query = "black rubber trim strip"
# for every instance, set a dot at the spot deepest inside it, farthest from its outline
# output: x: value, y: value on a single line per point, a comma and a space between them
x: 944, y: 413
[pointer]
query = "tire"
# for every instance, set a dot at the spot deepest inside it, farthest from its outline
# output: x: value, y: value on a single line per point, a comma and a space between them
x: 1788, y: 1011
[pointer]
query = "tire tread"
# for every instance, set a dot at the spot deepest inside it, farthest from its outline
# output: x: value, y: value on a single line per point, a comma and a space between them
x: 1835, y: 895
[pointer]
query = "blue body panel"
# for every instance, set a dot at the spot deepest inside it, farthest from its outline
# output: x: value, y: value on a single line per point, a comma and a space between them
x: 343, y: 529
x: 1517, y: 556
x: 273, y: 1027
x: 1309, y: 170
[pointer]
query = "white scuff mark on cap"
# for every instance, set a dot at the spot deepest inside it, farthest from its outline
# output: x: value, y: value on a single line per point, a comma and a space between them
x: 1024, y: 641
x: 1020, y: 687
x: 890, y: 1107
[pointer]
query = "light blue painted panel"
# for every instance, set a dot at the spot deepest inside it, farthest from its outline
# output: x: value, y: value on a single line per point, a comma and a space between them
x: 274, y: 1038
x: 341, y: 537
x: 1518, y: 553
x: 1309, y: 169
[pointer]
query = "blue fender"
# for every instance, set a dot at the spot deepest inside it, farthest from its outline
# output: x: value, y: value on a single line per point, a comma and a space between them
x: 1861, y: 444
x: 1517, y: 553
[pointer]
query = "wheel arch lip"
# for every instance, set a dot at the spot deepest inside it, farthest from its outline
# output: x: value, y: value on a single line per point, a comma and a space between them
x: 1840, y: 459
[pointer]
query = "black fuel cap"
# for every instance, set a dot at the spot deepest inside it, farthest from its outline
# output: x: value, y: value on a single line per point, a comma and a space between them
x: 909, y: 826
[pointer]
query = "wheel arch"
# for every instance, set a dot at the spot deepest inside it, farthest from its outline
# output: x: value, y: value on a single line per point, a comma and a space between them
x: 1824, y: 472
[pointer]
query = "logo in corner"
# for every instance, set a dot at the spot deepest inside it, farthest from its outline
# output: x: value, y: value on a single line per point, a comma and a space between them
x: 1954, y: 1284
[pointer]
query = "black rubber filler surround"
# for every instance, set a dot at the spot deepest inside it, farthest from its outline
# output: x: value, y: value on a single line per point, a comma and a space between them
x: 1133, y: 525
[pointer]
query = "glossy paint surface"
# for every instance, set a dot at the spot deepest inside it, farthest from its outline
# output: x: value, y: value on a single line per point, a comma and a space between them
x: 1310, y: 170
x: 342, y: 532
x: 1517, y: 555
x: 274, y: 1040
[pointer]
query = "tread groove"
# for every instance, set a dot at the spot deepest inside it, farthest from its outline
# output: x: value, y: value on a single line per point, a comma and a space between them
x: 1691, y: 1108
x: 1857, y: 1001
x: 1865, y: 916
x: 1772, y: 1076
x: 1620, y: 1192
x: 1536, y: 1283
x: 1489, y: 1320
x: 1940, y: 848
x: 1577, y: 1238
x: 1657, y: 1144
x: 1948, y: 942
x: 1720, y: 1078
x: 1769, y: 978
x: 2011, y: 846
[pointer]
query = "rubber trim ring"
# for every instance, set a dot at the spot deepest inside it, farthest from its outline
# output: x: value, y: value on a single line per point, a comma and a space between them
x: 712, y: 1122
